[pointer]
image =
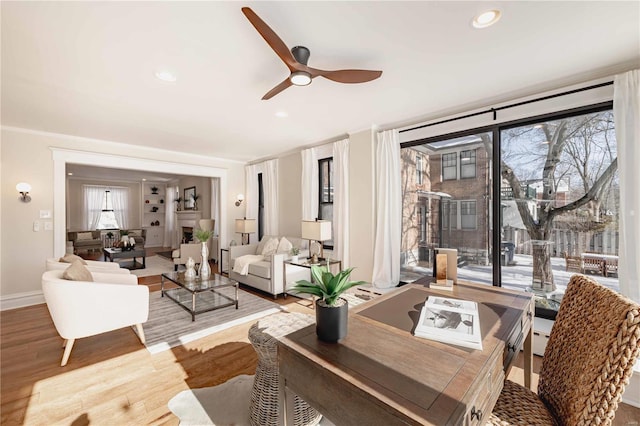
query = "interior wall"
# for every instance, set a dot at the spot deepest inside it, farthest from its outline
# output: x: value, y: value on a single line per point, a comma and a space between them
x: 27, y: 156
x: 290, y: 194
x: 75, y: 202
x: 361, y: 204
x: 203, y: 188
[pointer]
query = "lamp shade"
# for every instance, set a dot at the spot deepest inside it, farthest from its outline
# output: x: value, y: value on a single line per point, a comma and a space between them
x: 317, y: 230
x: 245, y: 226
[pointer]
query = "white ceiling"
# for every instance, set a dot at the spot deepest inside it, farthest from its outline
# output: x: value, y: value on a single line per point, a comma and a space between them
x: 87, y: 68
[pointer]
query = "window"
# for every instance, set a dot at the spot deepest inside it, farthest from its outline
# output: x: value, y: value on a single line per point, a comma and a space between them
x: 325, y: 206
x: 449, y: 214
x: 419, y: 169
x: 468, y: 214
x: 449, y: 166
x: 468, y: 164
x: 105, y: 207
x: 422, y: 218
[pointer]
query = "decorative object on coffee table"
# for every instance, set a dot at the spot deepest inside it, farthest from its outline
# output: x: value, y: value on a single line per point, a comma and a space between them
x: 190, y: 273
x: 331, y: 309
x: 203, y: 236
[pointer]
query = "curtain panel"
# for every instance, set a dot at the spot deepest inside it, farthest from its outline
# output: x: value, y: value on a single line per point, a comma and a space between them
x: 386, y: 250
x: 626, y: 113
x: 341, y: 201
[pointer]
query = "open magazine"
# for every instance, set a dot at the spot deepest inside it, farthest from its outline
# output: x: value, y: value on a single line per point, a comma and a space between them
x: 450, y: 320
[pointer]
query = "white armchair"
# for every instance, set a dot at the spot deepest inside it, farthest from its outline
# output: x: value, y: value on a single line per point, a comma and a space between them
x: 82, y: 308
x: 54, y: 264
x: 181, y: 255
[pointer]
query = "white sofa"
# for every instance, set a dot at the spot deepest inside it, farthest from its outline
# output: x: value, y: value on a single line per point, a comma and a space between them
x: 268, y: 274
x: 83, y: 308
x: 54, y: 264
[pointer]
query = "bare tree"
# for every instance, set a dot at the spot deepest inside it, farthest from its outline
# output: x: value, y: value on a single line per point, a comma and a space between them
x: 578, y: 147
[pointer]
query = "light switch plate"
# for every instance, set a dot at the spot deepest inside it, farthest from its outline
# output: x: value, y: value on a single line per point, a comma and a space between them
x: 45, y: 214
x: 36, y: 226
x: 48, y: 226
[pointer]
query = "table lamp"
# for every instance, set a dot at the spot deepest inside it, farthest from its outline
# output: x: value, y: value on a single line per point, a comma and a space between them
x: 316, y: 230
x: 245, y: 227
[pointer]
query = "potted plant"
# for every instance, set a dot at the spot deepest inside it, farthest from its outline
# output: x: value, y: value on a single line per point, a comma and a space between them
x: 295, y: 251
x: 203, y: 236
x: 195, y: 197
x: 178, y: 201
x: 331, y: 309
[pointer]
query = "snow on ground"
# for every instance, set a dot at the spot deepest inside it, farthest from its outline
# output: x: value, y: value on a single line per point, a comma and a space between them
x: 518, y: 276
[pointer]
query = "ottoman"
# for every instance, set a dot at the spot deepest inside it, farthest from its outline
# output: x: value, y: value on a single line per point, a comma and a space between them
x: 265, y: 406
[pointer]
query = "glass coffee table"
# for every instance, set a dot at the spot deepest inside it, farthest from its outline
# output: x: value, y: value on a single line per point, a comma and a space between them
x: 197, y: 296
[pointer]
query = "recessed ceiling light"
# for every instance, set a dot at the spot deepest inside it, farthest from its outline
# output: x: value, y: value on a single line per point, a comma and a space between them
x: 281, y: 114
x: 165, y: 75
x: 486, y: 19
x: 70, y: 174
x: 144, y: 180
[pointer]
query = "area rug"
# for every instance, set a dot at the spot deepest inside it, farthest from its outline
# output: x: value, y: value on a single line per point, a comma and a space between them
x: 154, y: 265
x: 169, y: 325
x: 222, y: 405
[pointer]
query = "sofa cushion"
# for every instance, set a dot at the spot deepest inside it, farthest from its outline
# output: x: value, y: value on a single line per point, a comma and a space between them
x: 270, y: 247
x: 77, y: 272
x: 70, y: 258
x: 284, y: 246
x: 261, y: 269
x: 84, y: 236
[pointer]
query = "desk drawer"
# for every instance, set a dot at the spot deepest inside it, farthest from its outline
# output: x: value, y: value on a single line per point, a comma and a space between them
x: 482, y: 403
x: 516, y: 338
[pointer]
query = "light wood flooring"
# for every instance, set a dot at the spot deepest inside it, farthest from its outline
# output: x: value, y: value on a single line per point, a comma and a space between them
x: 111, y: 379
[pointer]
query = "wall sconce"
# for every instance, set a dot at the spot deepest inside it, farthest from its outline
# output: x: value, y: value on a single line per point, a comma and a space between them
x: 24, y: 188
x: 239, y: 200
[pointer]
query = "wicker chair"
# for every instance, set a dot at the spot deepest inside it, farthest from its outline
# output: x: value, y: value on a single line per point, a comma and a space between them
x: 265, y: 404
x: 587, y: 363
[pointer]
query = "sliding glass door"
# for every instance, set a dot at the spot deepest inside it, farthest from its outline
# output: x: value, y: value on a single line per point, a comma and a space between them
x: 447, y: 204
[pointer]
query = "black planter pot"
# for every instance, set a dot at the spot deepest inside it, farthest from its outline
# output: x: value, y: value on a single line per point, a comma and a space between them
x: 331, y: 321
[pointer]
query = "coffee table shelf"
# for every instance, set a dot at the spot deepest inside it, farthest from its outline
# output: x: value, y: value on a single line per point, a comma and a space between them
x: 198, y: 296
x: 117, y: 253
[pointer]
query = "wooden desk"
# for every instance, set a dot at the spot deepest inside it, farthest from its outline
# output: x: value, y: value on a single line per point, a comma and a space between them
x: 380, y: 374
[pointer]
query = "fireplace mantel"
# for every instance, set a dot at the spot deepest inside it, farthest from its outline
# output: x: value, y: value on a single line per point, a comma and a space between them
x: 189, y: 215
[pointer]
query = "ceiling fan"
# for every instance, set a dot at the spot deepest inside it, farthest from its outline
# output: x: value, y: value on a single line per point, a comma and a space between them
x: 296, y: 61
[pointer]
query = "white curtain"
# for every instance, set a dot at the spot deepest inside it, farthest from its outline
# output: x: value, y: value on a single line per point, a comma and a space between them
x: 170, y: 234
x: 215, y: 204
x: 341, y: 201
x: 310, y: 184
x: 626, y: 112
x: 270, y: 183
x: 120, y: 199
x: 386, y: 250
x: 93, y: 200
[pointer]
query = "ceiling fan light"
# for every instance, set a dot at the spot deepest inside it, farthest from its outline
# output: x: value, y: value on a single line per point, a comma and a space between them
x: 300, y: 78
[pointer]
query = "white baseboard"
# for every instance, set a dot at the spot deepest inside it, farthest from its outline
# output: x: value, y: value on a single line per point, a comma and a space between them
x: 20, y: 300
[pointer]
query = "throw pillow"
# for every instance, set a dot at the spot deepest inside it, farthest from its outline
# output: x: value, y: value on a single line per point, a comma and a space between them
x: 270, y: 247
x: 77, y: 272
x: 261, y: 244
x: 84, y: 236
x: 284, y: 246
x: 70, y: 258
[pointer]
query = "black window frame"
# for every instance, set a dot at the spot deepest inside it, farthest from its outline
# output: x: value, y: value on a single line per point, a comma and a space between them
x: 325, y: 165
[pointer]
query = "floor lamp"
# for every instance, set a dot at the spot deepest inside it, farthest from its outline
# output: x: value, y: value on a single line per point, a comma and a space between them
x: 316, y: 230
x: 245, y: 227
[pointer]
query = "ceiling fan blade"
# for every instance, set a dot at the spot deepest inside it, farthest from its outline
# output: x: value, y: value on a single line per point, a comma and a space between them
x: 347, y: 76
x: 271, y: 38
x: 279, y: 88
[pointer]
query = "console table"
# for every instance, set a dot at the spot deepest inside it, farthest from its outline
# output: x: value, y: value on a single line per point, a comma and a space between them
x: 382, y: 374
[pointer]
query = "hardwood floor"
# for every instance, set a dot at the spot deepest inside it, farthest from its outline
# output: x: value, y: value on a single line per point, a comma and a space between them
x: 112, y: 379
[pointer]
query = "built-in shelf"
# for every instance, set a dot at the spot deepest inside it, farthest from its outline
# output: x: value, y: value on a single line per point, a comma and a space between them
x: 152, y: 221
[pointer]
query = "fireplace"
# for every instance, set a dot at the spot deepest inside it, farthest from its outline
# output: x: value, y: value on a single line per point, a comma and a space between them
x: 187, y: 234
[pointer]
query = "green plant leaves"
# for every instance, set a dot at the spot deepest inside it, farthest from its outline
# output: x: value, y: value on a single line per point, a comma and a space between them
x: 326, y: 285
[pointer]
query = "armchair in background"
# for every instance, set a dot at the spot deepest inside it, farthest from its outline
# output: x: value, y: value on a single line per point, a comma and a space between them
x: 85, y: 240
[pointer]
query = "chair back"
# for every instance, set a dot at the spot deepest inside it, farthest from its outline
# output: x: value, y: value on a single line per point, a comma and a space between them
x: 590, y: 354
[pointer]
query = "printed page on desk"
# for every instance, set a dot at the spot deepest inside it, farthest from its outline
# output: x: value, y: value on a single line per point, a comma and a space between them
x: 450, y: 320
